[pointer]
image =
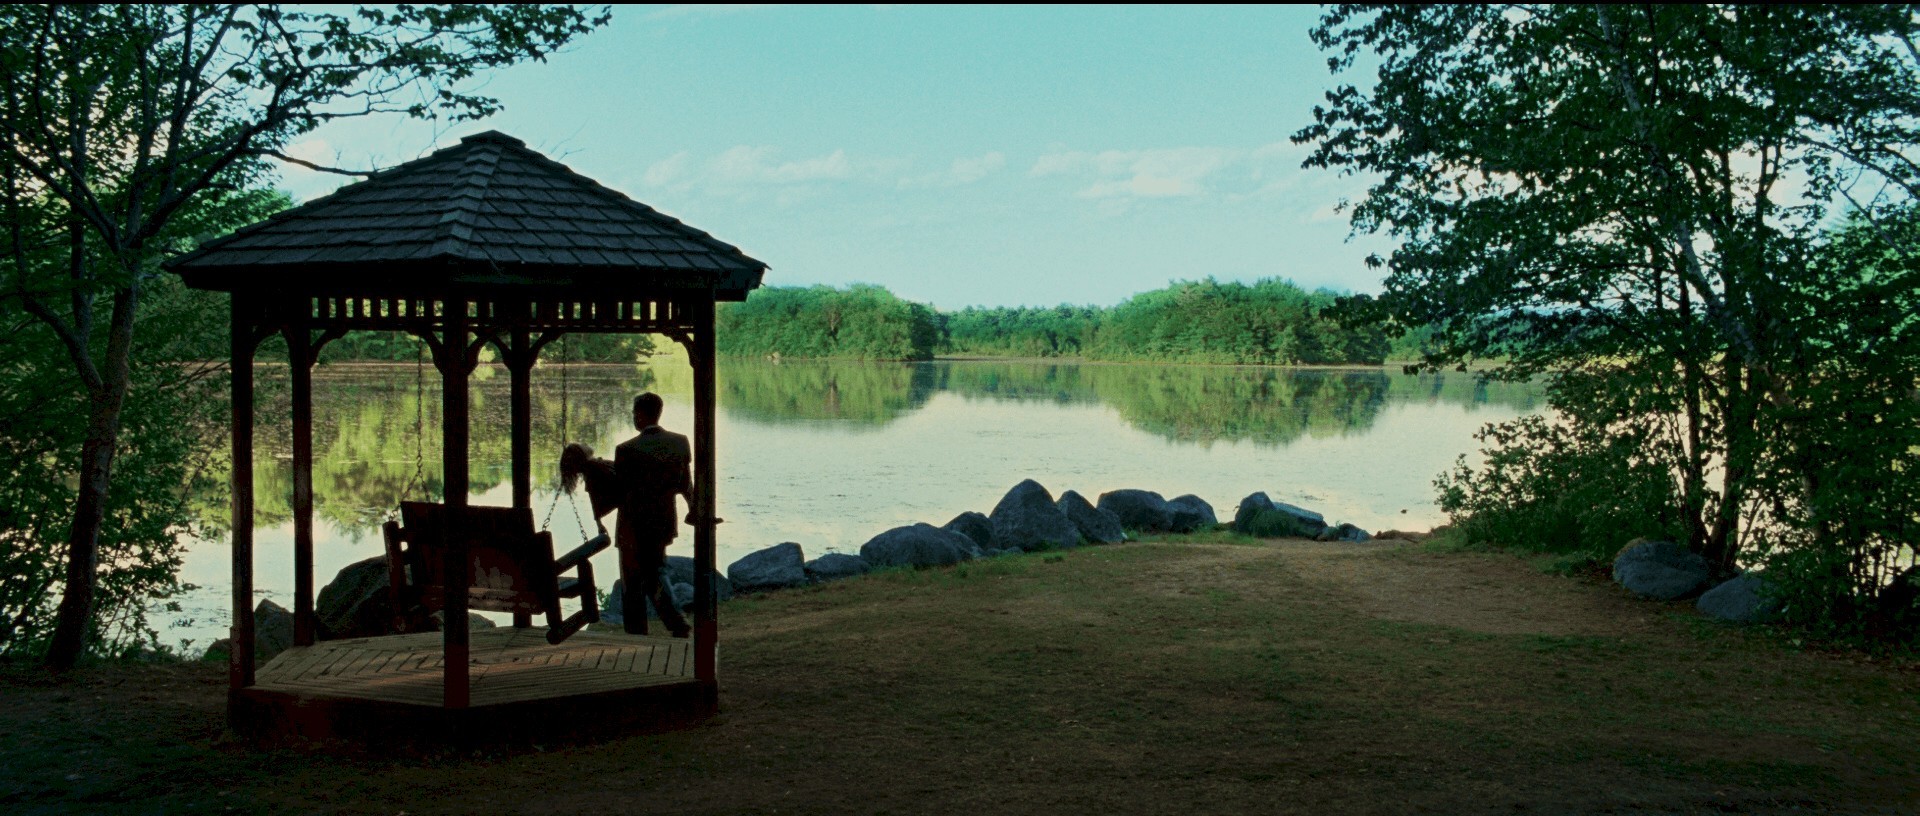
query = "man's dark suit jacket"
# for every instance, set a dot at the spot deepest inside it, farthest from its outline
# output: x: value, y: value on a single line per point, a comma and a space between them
x: 653, y: 467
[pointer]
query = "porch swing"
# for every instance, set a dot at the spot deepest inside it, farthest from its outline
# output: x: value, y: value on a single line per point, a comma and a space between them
x: 513, y: 566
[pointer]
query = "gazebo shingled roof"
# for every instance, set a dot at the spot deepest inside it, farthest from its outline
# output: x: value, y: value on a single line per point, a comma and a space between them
x: 486, y: 212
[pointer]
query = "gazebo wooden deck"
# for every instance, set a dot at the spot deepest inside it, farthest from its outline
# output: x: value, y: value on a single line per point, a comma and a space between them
x: 484, y: 243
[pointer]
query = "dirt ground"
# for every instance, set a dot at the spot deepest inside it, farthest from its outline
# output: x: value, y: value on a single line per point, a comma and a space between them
x: 1196, y: 675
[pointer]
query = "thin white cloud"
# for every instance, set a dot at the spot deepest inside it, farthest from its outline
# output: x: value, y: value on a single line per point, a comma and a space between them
x: 963, y: 170
x: 1155, y: 173
x: 761, y: 165
x: 747, y: 166
x: 1120, y: 177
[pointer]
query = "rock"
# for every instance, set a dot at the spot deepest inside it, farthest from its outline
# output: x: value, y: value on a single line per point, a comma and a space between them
x: 1189, y: 513
x: 1266, y: 518
x: 1028, y: 518
x: 1895, y: 613
x: 272, y: 634
x: 1097, y: 526
x: 1142, y: 510
x: 272, y: 630
x: 1344, y: 532
x: 1740, y: 600
x: 780, y: 566
x: 1250, y: 508
x: 836, y: 566
x: 612, y: 613
x: 612, y: 610
x: 919, y: 545
x: 974, y: 525
x: 356, y: 602
x: 678, y: 569
x: 476, y: 620
x: 1661, y: 570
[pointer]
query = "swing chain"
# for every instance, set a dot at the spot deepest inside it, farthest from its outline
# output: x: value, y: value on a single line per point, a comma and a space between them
x: 419, y: 478
x: 572, y: 500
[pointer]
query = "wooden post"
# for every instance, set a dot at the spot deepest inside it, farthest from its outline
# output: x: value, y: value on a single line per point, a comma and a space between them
x: 300, y: 360
x: 520, y: 357
x: 706, y: 630
x: 240, y: 668
x: 453, y: 457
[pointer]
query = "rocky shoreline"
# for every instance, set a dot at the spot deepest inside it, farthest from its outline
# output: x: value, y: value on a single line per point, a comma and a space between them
x: 1027, y: 519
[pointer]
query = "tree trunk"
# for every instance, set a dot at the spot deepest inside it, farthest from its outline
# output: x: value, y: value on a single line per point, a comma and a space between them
x: 1740, y: 434
x: 74, y: 621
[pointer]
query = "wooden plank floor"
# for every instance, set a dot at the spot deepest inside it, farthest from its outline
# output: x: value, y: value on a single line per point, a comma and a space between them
x: 508, y: 666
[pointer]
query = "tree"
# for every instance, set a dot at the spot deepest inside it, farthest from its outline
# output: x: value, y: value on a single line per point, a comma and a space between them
x: 117, y: 121
x: 1642, y: 194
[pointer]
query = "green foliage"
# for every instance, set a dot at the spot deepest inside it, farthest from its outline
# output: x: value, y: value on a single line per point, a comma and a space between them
x: 861, y: 322
x: 1639, y: 200
x: 169, y: 454
x: 1267, y: 322
x: 1583, y: 484
x: 1021, y: 331
x: 1843, y: 444
x: 133, y: 130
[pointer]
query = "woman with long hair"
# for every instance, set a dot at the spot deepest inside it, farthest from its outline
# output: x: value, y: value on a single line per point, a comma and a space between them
x: 579, y: 466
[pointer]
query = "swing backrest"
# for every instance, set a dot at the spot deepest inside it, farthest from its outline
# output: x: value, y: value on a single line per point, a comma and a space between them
x: 513, y: 568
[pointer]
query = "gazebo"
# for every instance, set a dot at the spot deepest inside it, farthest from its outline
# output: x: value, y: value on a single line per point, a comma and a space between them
x: 483, y: 243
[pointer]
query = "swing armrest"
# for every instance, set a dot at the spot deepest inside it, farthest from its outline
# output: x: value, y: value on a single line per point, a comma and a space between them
x: 580, y: 554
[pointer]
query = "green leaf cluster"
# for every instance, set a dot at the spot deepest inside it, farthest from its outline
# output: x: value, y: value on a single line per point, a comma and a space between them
x: 861, y: 322
x: 1697, y: 218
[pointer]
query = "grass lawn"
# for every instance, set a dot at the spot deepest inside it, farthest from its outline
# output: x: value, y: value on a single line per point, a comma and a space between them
x: 1204, y: 674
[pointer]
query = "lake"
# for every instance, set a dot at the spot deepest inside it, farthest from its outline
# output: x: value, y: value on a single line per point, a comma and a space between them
x: 829, y: 454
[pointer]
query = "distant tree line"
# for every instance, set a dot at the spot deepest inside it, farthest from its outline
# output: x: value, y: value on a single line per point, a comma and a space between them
x: 1267, y: 322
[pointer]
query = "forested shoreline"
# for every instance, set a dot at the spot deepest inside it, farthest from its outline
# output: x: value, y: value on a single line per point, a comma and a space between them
x: 1267, y: 322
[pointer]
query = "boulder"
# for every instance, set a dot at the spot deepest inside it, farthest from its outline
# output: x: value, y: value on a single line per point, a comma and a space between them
x: 1661, y: 570
x: 272, y: 630
x: 272, y: 634
x: 1190, y: 513
x: 1743, y: 599
x: 1142, y: 510
x: 1250, y: 508
x: 975, y: 525
x: 612, y: 612
x: 835, y: 566
x: 1028, y: 518
x: 1263, y: 517
x: 476, y: 620
x: 1344, y: 532
x: 1097, y: 526
x: 919, y: 545
x: 780, y: 566
x: 355, y: 603
x: 678, y: 569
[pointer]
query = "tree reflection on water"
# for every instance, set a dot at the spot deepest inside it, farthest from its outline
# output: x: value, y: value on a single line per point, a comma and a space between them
x: 377, y: 430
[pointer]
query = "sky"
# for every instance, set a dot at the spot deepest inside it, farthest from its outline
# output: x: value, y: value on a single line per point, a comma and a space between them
x: 956, y: 156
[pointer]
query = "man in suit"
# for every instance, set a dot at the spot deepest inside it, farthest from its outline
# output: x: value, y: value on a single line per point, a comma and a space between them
x: 653, y: 468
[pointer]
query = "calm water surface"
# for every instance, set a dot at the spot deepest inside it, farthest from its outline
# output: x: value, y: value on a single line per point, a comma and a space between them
x: 830, y: 454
